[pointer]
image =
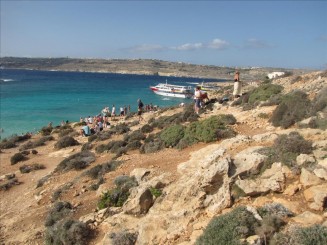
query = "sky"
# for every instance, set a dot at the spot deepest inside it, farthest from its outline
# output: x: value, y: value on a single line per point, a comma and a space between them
x: 284, y: 34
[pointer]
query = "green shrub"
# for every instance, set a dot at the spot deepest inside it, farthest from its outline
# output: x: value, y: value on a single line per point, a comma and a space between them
x: 92, y: 138
x: 229, y: 228
x: 58, y: 212
x: 146, y: 129
x: 133, y: 145
x: 121, y: 128
x: 68, y: 231
x: 264, y: 92
x: 87, y: 147
x: 117, y: 196
x: 172, y: 135
x: 155, y: 192
x: 320, y: 102
x: 135, y: 135
x: 65, y: 141
x: 293, y: 108
x: 17, y: 158
x: 77, y: 161
x: 123, y: 238
x: 285, y: 150
x: 316, y: 234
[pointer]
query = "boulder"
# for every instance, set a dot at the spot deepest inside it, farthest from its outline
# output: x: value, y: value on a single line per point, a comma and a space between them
x: 323, y: 163
x: 308, y: 179
x: 304, y: 158
x: 307, y: 218
x: 317, y: 195
x: 249, y: 161
x: 139, y: 202
x: 140, y: 174
x: 272, y: 179
x: 321, y: 173
x: 293, y: 188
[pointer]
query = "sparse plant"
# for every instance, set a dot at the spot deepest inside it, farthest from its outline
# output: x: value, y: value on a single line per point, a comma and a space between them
x: 146, y: 128
x: 17, y: 157
x: 155, y: 192
x: 28, y: 168
x: 65, y: 141
x: 229, y: 228
x: 123, y: 238
x: 77, y: 161
x: 293, y: 108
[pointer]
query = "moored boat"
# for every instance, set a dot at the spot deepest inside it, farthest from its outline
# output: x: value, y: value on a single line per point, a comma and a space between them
x: 171, y: 90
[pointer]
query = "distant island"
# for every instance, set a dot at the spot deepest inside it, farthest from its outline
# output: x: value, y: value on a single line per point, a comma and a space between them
x: 139, y: 67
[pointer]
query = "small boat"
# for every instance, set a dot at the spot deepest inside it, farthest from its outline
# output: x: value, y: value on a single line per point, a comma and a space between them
x: 171, y: 90
x: 206, y: 87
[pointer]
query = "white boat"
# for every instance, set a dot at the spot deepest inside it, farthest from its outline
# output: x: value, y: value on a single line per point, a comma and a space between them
x: 171, y: 90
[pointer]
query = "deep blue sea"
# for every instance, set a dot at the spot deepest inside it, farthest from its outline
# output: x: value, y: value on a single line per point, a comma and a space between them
x: 31, y: 99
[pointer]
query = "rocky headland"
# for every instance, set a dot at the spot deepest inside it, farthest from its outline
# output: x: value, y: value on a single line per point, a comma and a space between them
x: 252, y: 170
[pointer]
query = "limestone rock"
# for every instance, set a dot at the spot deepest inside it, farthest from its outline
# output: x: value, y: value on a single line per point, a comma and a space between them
x: 323, y: 162
x: 307, y: 218
x: 321, y: 173
x: 318, y: 195
x: 140, y: 201
x: 271, y: 180
x: 293, y: 206
x: 304, y: 158
x: 308, y: 179
x: 140, y: 174
x: 87, y: 219
x: 292, y: 189
x: 248, y: 161
x: 254, y: 240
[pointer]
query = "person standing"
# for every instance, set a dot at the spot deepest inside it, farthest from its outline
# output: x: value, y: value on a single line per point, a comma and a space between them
x: 197, y: 99
x: 237, y: 85
x: 113, y: 111
x: 140, y: 109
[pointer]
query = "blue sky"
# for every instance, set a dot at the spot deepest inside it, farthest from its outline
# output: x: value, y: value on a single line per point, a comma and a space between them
x: 290, y: 34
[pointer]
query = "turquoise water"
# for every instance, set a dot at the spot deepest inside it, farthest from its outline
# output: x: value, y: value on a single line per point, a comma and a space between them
x: 31, y: 99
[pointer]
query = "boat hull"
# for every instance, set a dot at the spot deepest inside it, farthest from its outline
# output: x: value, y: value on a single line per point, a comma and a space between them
x: 176, y: 95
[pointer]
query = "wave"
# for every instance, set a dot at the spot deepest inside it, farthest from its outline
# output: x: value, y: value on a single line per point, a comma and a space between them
x: 6, y: 80
x: 165, y: 99
x: 192, y: 83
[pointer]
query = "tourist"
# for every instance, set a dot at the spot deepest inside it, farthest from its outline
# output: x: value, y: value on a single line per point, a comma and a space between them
x: 121, y: 111
x: 139, y: 109
x: 113, y: 111
x: 85, y: 131
x: 197, y: 98
x: 237, y: 85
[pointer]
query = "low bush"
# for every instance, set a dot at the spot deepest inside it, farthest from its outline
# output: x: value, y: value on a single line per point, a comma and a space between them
x: 36, y: 143
x: 59, y: 211
x: 68, y: 231
x: 316, y: 234
x: 18, y: 157
x: 264, y: 92
x: 77, y: 161
x: 10, y: 142
x: 29, y: 168
x: 320, y: 102
x: 172, y: 135
x: 65, y: 141
x: 120, y: 128
x: 92, y: 138
x: 87, y: 147
x: 42, y: 181
x: 293, y: 108
x: 270, y: 224
x: 46, y: 130
x: 276, y: 209
x: 229, y: 228
x: 152, y: 144
x: 285, y: 150
x: 135, y: 135
x: 104, y: 135
x: 134, y: 145
x: 101, y: 169
x: 123, y: 238
x: 9, y: 183
x: 117, y: 197
x: 146, y: 129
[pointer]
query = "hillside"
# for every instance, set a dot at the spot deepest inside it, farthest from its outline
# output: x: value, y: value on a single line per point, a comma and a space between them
x: 255, y: 169
x: 139, y: 67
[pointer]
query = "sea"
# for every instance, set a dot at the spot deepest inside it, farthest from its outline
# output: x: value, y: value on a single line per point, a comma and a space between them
x: 30, y: 99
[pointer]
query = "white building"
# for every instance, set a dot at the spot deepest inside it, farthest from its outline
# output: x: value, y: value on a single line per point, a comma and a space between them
x: 275, y: 74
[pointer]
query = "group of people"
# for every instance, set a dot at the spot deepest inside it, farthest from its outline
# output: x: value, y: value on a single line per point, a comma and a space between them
x: 200, y: 96
x: 97, y: 123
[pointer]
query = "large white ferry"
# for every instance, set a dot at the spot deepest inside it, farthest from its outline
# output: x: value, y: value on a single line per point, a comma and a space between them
x: 171, y: 90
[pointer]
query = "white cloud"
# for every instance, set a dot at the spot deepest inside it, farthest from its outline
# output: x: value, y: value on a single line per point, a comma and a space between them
x: 218, y: 44
x: 189, y: 46
x: 254, y: 43
x: 146, y: 48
